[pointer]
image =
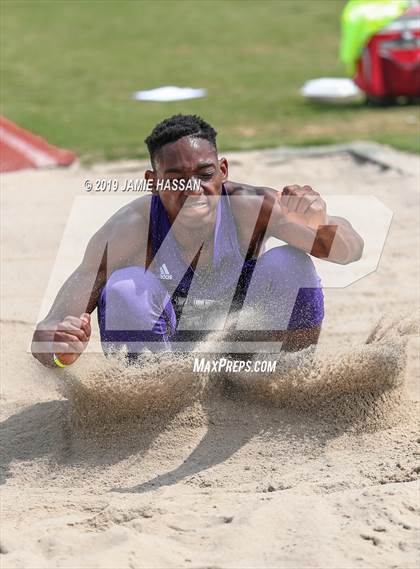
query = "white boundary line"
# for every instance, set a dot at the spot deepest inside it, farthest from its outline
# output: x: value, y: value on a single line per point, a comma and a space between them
x: 38, y: 157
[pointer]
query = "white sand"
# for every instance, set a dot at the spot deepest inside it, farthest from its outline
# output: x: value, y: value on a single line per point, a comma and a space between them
x: 160, y: 467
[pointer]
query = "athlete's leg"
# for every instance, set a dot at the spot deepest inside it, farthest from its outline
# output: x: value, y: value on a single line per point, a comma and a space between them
x: 135, y: 310
x: 285, y: 293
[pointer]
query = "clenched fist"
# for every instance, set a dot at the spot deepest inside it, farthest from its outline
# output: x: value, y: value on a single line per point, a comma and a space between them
x: 71, y: 338
x: 304, y: 206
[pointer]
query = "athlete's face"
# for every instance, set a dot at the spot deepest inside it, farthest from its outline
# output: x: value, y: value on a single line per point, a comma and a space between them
x: 195, y: 160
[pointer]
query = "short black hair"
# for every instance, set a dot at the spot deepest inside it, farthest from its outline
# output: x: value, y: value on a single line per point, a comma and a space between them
x: 176, y: 127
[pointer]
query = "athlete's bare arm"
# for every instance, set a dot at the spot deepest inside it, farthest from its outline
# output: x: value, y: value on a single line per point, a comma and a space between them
x: 122, y: 240
x: 298, y: 216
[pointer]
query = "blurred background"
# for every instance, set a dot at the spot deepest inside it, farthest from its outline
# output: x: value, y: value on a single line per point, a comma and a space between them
x: 70, y: 67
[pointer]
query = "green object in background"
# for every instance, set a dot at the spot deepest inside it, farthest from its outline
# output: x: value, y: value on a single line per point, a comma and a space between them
x: 361, y: 19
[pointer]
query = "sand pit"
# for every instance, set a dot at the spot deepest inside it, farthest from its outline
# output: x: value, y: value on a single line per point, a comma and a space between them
x: 104, y: 392
x: 314, y: 466
x: 358, y: 386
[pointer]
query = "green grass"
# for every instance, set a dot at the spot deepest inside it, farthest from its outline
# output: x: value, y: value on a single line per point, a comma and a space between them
x: 69, y: 68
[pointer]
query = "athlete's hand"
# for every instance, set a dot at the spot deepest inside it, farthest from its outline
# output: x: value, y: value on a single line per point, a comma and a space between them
x: 303, y: 205
x: 71, y: 338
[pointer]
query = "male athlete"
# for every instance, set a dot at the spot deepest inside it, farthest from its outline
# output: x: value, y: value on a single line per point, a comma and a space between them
x: 161, y: 267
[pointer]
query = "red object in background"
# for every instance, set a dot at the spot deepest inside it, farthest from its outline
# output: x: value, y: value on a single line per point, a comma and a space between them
x: 390, y: 63
x: 21, y: 149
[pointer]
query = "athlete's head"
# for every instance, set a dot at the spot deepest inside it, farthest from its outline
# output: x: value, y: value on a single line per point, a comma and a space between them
x: 176, y: 127
x: 183, y: 147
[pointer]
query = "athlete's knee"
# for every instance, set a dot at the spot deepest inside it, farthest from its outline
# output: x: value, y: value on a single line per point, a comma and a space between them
x: 133, y: 297
x: 133, y: 279
x: 118, y: 290
x: 285, y: 255
x: 292, y: 285
x: 287, y: 264
x: 125, y: 285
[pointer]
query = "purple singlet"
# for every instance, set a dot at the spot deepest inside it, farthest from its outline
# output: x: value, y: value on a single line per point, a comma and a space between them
x: 144, y: 307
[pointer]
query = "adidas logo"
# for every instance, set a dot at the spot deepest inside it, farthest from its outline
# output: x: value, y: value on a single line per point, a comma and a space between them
x: 164, y: 273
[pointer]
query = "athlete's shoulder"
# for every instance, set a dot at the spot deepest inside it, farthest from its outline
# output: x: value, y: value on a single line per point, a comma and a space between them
x: 130, y: 215
x: 251, y: 197
x: 246, y: 200
x: 135, y: 210
x: 242, y: 189
x: 127, y: 226
x: 124, y: 234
